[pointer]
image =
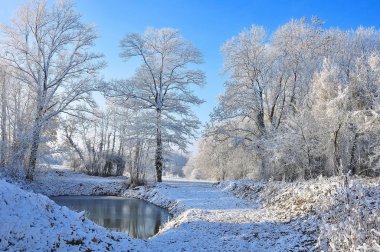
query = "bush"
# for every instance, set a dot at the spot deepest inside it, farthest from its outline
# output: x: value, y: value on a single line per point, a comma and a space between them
x: 353, y: 223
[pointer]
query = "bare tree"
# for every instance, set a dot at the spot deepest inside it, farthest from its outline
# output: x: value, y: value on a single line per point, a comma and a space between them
x: 162, y: 85
x: 3, y: 85
x: 48, y: 49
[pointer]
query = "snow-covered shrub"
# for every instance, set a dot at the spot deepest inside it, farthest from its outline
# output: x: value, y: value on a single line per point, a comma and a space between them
x: 353, y: 221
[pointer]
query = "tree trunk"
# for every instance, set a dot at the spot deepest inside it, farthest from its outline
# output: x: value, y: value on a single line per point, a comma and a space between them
x: 337, y: 158
x: 76, y: 148
x: 260, y: 114
x: 3, y: 150
x: 262, y: 130
x: 263, y: 167
x: 113, y: 141
x: 158, y: 157
x: 353, y: 162
x: 34, y: 150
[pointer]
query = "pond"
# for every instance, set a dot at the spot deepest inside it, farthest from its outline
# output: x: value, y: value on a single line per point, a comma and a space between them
x: 138, y: 218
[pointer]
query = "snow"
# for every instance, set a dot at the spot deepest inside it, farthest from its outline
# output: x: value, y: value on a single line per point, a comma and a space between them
x: 206, y: 212
x: 33, y: 222
x: 59, y: 181
x: 229, y: 216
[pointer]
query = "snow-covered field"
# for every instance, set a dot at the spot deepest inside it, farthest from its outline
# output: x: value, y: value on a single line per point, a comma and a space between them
x: 228, y: 216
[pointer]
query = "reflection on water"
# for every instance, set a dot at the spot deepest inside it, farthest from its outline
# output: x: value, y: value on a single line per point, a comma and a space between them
x: 138, y: 218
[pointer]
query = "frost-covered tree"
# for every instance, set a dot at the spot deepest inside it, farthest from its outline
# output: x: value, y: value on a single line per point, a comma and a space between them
x: 48, y: 49
x: 174, y: 163
x: 4, y: 77
x: 162, y: 86
x: 242, y: 105
x: 16, y: 104
x: 96, y: 141
x: 303, y: 101
x: 299, y: 47
x: 346, y: 113
x: 268, y: 83
x: 246, y: 61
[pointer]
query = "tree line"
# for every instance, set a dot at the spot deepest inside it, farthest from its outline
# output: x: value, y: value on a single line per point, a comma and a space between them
x: 299, y: 103
x: 48, y: 73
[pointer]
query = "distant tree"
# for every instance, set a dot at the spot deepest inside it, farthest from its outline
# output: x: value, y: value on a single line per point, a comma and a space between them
x: 174, y: 164
x: 162, y: 85
x: 4, y: 77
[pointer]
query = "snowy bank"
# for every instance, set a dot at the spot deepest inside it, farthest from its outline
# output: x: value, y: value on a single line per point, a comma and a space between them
x: 247, y: 215
x: 346, y: 210
x: 59, y: 181
x: 33, y: 222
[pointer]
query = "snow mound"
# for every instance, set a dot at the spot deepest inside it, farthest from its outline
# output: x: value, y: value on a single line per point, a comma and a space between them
x: 344, y: 212
x: 33, y: 222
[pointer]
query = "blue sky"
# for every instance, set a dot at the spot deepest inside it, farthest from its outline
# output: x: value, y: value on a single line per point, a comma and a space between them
x: 207, y: 23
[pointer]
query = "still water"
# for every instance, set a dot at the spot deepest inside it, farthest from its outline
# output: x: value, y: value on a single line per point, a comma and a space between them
x: 136, y: 217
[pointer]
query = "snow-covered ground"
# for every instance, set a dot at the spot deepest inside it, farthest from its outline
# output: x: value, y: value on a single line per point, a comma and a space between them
x: 33, y: 222
x: 59, y: 180
x: 228, y: 216
x: 210, y: 218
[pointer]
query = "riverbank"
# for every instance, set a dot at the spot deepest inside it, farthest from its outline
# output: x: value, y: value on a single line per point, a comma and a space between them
x: 33, y: 222
x: 228, y: 216
x: 60, y: 181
